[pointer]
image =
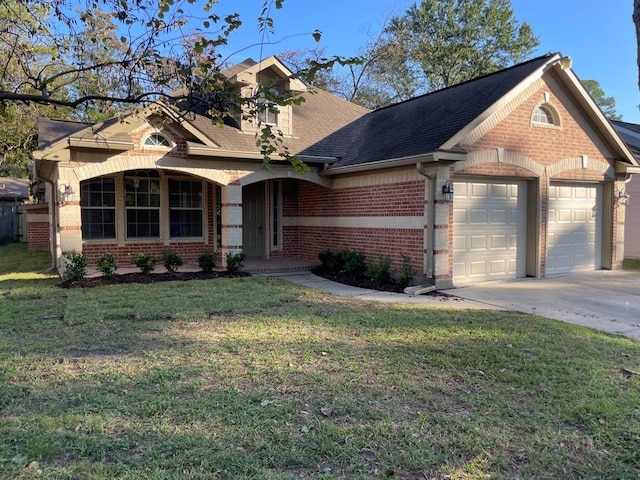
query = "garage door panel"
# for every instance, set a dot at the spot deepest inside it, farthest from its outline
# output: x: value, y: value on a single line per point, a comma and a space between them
x: 499, y: 217
x: 499, y: 242
x: 476, y: 190
x: 574, y: 228
x: 499, y: 191
x: 496, y: 220
x: 499, y: 267
x: 460, y: 215
x: 479, y: 216
x: 478, y: 268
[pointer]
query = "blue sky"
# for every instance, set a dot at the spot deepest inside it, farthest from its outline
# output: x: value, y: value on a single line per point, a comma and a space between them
x: 599, y: 36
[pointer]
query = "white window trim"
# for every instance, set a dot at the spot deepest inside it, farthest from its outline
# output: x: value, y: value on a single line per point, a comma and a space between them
x: 551, y: 111
x: 203, y: 209
x: 164, y: 148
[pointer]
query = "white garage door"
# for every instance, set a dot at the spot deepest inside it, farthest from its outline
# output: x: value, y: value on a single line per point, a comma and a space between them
x: 489, y: 231
x: 574, y: 228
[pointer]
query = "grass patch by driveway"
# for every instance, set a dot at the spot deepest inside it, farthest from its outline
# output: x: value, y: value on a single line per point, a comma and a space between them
x: 259, y: 378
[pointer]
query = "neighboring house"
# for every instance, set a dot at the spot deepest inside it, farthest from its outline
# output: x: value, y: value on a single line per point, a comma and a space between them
x: 630, y: 133
x: 509, y: 175
x: 13, y: 192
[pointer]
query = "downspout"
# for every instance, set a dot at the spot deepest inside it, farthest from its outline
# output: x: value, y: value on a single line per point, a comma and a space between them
x: 53, y: 229
x: 430, y: 237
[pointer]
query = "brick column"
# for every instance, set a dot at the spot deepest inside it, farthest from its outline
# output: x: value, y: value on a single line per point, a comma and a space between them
x: 443, y: 232
x: 69, y: 221
x: 619, y: 209
x: 231, y: 219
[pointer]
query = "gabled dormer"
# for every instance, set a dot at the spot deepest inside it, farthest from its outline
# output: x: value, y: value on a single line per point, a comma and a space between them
x: 257, y: 80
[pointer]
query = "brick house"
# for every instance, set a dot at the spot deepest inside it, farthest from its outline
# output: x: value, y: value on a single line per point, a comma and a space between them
x: 630, y: 133
x: 512, y: 174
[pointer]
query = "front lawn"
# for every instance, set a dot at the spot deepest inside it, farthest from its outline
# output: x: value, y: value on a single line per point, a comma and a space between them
x: 258, y: 378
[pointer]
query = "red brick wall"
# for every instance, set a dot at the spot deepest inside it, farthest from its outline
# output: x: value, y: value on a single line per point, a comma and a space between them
x: 390, y: 200
x: 189, y: 252
x: 545, y: 145
x: 38, y: 233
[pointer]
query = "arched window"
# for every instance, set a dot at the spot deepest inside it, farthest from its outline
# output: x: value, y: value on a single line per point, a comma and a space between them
x: 545, y: 115
x: 157, y: 140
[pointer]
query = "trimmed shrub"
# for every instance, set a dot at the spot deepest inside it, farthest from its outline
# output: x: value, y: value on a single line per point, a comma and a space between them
x: 207, y: 261
x: 406, y: 272
x: 171, y: 260
x: 107, y: 264
x: 235, y: 261
x: 145, y: 263
x: 75, y: 266
x: 380, y: 270
x: 330, y: 261
x: 354, y: 263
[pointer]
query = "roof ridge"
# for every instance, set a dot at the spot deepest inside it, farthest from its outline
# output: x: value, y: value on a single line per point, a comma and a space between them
x: 471, y: 80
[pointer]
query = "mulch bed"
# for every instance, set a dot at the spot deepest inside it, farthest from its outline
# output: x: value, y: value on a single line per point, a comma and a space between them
x: 91, y: 282
x: 362, y: 282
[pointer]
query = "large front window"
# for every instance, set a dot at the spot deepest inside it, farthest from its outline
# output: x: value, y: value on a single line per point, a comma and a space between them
x: 185, y: 208
x: 142, y: 204
x: 98, y: 208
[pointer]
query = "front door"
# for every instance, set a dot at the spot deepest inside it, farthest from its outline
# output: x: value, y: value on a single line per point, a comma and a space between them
x: 253, y: 220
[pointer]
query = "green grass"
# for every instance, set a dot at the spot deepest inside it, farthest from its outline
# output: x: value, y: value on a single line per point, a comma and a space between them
x: 14, y: 258
x: 631, y: 264
x: 259, y: 378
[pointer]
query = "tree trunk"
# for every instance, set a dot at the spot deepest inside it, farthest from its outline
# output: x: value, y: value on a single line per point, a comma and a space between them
x: 636, y: 20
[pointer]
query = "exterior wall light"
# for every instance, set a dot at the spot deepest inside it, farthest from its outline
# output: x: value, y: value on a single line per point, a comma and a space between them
x: 65, y: 194
x: 622, y: 198
x: 447, y: 191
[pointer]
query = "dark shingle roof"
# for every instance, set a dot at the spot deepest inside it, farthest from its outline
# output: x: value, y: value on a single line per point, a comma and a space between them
x: 423, y: 124
x: 321, y: 127
x: 14, y: 188
x: 632, y: 140
x: 51, y: 131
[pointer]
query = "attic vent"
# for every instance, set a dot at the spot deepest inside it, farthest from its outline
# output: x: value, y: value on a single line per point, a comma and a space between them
x: 545, y: 115
x: 157, y: 140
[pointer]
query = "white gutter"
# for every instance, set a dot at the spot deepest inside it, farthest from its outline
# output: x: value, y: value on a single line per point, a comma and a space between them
x: 397, y: 162
x: 208, y: 151
x: 103, y: 144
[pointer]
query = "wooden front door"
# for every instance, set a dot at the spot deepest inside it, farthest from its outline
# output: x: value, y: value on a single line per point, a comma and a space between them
x: 253, y: 226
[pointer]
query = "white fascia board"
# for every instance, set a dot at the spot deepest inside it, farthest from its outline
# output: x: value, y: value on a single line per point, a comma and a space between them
x: 397, y: 162
x: 99, y: 143
x: 603, y: 123
x: 208, y: 151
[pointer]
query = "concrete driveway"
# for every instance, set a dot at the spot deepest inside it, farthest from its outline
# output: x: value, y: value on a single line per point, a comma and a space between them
x: 605, y: 300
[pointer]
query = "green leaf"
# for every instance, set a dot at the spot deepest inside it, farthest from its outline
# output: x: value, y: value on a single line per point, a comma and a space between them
x: 317, y: 35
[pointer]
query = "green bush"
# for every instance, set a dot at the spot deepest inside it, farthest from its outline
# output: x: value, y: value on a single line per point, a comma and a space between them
x: 145, y: 263
x: 207, y: 261
x: 380, y: 270
x: 346, y: 262
x: 354, y: 263
x: 75, y: 267
x: 406, y: 273
x: 235, y: 261
x: 107, y: 264
x: 171, y: 260
x: 330, y: 261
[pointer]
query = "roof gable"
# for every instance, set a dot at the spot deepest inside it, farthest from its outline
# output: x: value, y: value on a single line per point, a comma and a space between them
x: 248, y: 73
x: 424, y: 124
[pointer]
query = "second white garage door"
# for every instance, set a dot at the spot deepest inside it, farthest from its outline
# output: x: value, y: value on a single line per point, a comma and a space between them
x: 574, y: 228
x: 489, y: 231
